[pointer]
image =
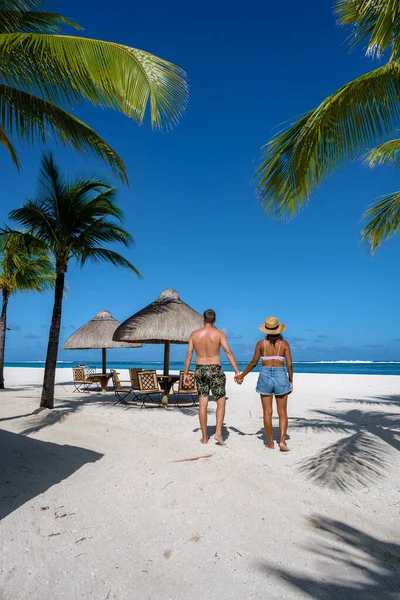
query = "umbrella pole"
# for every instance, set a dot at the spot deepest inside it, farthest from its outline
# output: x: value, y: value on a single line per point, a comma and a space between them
x: 166, y: 357
x: 103, y: 360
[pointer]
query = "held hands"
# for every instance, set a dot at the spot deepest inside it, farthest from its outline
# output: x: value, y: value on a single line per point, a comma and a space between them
x: 238, y: 378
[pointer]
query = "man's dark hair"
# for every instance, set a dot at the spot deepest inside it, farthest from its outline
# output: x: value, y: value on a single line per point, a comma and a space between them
x: 209, y: 316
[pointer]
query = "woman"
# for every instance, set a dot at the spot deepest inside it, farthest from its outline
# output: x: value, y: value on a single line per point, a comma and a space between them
x: 273, y: 380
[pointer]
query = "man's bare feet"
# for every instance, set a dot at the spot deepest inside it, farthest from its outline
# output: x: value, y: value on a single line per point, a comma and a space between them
x: 270, y: 445
x: 204, y: 440
x: 283, y: 447
x: 219, y: 439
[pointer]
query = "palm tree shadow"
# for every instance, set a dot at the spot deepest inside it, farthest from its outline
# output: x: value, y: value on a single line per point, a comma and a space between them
x: 390, y: 400
x: 30, y: 467
x: 359, y: 457
x: 374, y: 564
x: 42, y: 417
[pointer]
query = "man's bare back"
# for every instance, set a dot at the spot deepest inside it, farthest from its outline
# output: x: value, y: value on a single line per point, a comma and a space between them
x: 207, y: 343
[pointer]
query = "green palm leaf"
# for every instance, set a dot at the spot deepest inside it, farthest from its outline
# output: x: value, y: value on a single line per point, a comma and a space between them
x: 31, y: 118
x: 377, y: 21
x: 62, y: 70
x: 296, y: 161
x: 382, y: 220
x: 24, y: 264
x: 12, y: 21
x: 5, y: 141
x: 105, y: 73
x: 386, y: 153
x: 100, y: 255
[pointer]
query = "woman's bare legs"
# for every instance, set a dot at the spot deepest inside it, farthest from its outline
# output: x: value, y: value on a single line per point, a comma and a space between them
x: 267, y: 412
x: 281, y: 402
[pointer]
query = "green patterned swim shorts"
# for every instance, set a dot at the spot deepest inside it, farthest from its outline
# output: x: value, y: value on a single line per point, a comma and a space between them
x: 210, y: 377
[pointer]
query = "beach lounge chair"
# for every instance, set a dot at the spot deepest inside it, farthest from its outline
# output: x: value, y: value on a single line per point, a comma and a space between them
x: 148, y: 386
x: 121, y: 391
x: 81, y: 381
x: 190, y: 390
x: 133, y: 374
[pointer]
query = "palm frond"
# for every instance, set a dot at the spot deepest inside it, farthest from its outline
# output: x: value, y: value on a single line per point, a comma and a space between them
x: 102, y: 205
x: 382, y: 220
x: 4, y: 141
x: 39, y: 222
x: 16, y: 7
x: 21, y: 5
x: 296, y: 161
x: 30, y: 243
x: 377, y: 22
x: 27, y: 21
x: 25, y: 264
x: 386, y: 153
x: 68, y: 68
x: 103, y: 255
x: 100, y: 231
x: 31, y: 118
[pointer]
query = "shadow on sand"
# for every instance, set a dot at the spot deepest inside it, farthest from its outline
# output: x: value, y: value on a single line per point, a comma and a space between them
x: 30, y: 467
x: 211, y: 432
x: 355, y: 565
x: 42, y: 417
x: 363, y: 454
x: 261, y: 435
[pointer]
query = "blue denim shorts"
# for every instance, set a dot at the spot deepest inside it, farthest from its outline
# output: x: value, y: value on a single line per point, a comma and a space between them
x: 273, y: 380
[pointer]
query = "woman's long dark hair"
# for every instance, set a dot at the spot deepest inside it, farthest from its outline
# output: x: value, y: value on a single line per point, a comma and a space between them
x: 274, y: 338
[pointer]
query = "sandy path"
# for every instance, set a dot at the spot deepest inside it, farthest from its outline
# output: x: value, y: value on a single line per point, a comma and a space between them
x: 99, y: 502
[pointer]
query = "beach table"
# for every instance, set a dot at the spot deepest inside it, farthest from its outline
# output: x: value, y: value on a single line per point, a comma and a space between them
x: 166, y: 383
x: 102, y: 378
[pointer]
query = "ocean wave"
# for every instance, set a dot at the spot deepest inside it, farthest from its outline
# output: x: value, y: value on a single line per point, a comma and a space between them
x: 345, y: 362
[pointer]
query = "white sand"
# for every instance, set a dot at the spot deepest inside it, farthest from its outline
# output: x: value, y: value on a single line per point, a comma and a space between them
x: 95, y: 504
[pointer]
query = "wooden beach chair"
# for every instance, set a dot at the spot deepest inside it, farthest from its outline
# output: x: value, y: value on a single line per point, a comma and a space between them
x: 148, y: 386
x: 190, y: 390
x: 81, y: 381
x: 121, y: 391
x: 133, y: 374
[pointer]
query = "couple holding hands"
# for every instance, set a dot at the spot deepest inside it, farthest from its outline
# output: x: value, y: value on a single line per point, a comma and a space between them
x: 272, y: 381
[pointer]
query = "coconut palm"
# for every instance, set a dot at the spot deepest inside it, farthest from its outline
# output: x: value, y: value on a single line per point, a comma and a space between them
x: 22, y: 269
x: 43, y: 73
x: 70, y: 220
x: 344, y: 126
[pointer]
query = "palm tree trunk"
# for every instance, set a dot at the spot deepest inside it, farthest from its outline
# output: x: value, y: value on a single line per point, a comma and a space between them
x: 3, y: 325
x: 47, y: 399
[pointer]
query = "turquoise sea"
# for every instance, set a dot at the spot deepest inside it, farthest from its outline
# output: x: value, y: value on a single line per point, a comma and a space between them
x: 356, y: 367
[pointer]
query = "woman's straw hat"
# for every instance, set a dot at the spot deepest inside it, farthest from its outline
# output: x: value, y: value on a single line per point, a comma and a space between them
x: 272, y: 326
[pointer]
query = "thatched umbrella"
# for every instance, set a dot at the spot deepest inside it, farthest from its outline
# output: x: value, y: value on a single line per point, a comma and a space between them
x: 97, y: 333
x: 166, y: 321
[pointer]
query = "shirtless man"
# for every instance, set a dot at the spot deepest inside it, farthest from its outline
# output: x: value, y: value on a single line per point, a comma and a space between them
x: 207, y: 342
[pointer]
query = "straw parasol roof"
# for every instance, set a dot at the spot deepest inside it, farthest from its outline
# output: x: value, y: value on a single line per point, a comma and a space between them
x: 166, y: 321
x: 97, y: 333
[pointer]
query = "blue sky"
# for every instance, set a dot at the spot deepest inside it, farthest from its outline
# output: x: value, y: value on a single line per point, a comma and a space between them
x: 191, y: 203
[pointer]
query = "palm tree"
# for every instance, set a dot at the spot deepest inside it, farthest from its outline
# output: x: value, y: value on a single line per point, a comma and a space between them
x: 70, y: 220
x: 42, y: 73
x: 22, y: 269
x: 345, y: 125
